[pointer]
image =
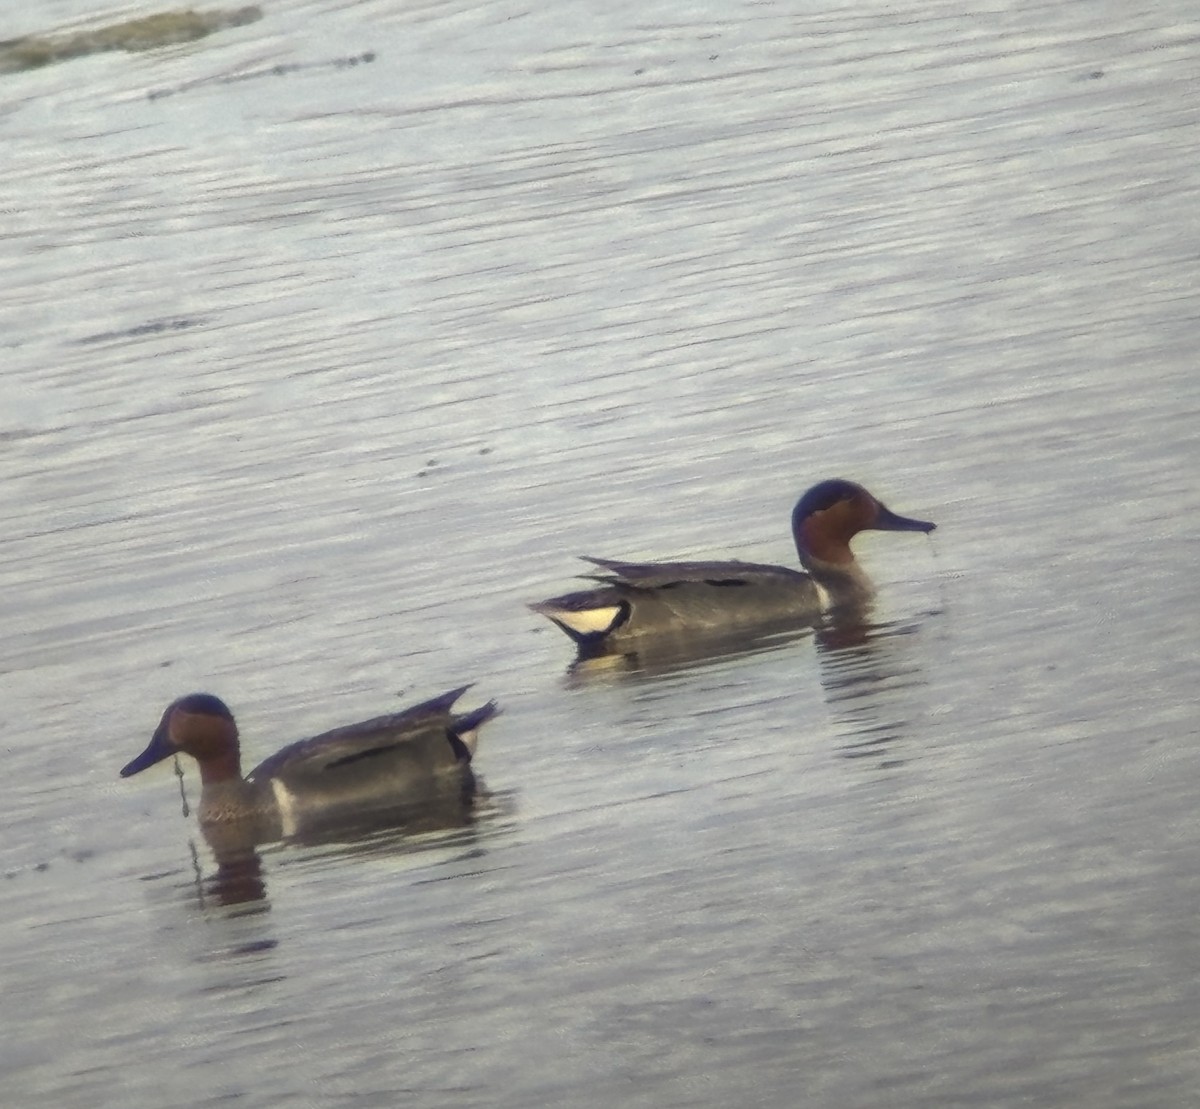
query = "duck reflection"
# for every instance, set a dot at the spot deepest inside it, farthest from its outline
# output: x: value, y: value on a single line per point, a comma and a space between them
x: 655, y: 656
x: 237, y: 881
x: 869, y: 671
x: 240, y: 878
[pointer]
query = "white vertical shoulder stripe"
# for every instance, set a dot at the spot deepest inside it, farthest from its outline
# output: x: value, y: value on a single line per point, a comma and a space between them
x: 285, y: 801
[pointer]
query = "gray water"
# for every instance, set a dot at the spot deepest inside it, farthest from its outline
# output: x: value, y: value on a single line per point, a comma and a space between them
x: 329, y: 340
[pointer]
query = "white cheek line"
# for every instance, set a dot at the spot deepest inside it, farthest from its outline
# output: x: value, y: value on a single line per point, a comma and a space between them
x: 285, y: 802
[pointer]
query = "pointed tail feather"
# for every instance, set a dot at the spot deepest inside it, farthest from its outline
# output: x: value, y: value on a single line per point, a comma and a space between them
x: 464, y: 730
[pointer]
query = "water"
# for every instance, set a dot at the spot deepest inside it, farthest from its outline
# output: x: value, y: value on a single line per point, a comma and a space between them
x: 330, y: 339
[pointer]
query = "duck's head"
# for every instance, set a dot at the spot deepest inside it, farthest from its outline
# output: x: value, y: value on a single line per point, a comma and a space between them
x: 199, y: 725
x: 833, y: 512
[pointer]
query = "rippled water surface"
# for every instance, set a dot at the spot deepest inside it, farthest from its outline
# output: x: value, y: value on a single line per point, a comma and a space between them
x: 331, y: 338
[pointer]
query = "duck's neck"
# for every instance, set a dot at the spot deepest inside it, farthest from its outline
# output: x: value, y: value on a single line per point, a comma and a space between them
x: 846, y: 582
x: 224, y: 766
x: 223, y: 790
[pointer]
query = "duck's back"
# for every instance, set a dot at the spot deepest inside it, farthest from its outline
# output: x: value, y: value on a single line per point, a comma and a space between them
x: 665, y: 598
x: 395, y: 759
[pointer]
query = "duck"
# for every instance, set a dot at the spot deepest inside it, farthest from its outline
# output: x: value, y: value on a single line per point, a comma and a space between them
x: 724, y: 598
x: 421, y: 754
